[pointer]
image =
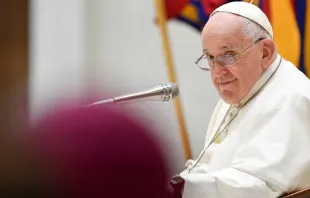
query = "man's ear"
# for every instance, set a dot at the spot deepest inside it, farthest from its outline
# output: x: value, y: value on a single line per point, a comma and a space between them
x: 269, y: 48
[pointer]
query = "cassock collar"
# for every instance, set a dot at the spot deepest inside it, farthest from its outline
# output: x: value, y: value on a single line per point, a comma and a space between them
x: 261, y: 81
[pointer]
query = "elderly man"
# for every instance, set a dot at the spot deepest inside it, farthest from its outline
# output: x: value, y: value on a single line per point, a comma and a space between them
x: 258, y: 140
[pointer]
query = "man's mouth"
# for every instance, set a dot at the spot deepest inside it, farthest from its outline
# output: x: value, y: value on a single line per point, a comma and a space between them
x: 226, y: 82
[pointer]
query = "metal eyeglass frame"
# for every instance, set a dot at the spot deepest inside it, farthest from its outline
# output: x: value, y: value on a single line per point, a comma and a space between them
x: 223, y: 64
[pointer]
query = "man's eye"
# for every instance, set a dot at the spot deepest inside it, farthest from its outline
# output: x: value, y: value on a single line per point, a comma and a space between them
x: 209, y: 57
x: 229, y: 54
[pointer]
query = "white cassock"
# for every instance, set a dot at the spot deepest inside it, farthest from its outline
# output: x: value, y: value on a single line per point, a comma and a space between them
x: 265, y: 149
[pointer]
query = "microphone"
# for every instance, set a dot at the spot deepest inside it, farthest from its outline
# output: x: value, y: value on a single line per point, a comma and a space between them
x: 162, y: 92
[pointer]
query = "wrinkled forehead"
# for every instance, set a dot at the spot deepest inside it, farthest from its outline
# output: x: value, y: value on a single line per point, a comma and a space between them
x: 223, y: 31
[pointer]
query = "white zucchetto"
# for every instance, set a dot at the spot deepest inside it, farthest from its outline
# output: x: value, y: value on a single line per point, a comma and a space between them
x: 249, y: 11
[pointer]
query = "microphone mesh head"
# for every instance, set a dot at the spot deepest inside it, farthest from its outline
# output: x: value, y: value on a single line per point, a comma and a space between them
x: 174, y: 90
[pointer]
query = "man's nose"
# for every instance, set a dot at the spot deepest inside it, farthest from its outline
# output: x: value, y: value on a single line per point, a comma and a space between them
x: 218, y: 69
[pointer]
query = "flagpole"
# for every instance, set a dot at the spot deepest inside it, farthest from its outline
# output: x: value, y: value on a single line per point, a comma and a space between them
x: 161, y: 20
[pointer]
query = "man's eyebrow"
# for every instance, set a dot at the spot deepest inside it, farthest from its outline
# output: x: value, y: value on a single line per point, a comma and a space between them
x: 223, y: 47
x: 226, y: 47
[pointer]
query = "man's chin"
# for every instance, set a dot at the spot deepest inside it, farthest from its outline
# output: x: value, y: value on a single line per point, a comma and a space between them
x: 229, y: 97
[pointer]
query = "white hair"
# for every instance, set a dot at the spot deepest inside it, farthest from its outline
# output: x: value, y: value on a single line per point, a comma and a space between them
x: 254, y: 30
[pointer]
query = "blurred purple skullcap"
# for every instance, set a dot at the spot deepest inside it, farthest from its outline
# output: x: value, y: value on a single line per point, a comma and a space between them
x: 99, y: 152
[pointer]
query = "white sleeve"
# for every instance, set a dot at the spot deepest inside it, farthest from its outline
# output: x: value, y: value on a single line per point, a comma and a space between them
x: 226, y: 183
x: 269, y: 164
